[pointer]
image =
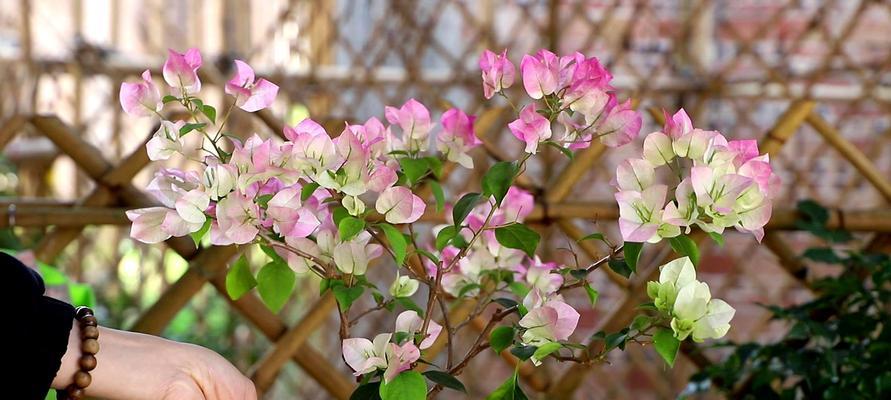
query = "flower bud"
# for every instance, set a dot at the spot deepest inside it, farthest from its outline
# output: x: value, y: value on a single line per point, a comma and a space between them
x: 403, y: 286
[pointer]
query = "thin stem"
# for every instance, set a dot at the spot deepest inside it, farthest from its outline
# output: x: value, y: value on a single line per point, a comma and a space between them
x: 591, y: 268
x: 225, y: 119
x: 502, y: 94
x: 448, y: 328
x: 378, y: 307
x: 478, y: 346
x: 319, y: 264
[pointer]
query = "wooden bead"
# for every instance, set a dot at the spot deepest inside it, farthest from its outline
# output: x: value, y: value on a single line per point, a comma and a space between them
x: 90, y: 332
x: 75, y: 392
x: 88, y: 362
x: 82, y: 312
x: 82, y: 379
x: 89, y: 320
x: 90, y: 346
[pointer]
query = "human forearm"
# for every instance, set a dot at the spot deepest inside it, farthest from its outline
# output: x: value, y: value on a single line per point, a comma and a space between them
x: 137, y: 366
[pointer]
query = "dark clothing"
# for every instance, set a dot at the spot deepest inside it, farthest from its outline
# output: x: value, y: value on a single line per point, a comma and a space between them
x: 35, y: 331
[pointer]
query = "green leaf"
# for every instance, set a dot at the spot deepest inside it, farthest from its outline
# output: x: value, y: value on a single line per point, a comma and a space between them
x: 464, y: 206
x: 169, y: 99
x: 594, y: 236
x: 307, y: 190
x: 430, y: 256
x: 640, y: 322
x: 579, y: 274
x: 523, y: 352
x: 275, y: 282
x: 349, y: 227
x: 566, y: 152
x: 498, y: 179
x: 445, y: 236
x: 435, y: 166
x: 436, y: 188
x: 367, y: 391
x: 593, y: 294
x: 467, y: 288
x: 813, y: 217
x: 445, y: 380
x: 263, y: 200
x: 397, y: 242
x: 400, y: 337
x: 518, y: 236
x: 544, y: 350
x: 198, y: 235
x: 190, y: 127
x: 717, y: 237
x: 52, y: 276
x: 632, y: 254
x: 509, y: 390
x: 239, y: 279
x: 519, y: 289
x: 271, y: 253
x: 378, y: 297
x: 614, y: 340
x: 620, y: 267
x: 81, y: 294
x: 414, y: 168
x: 324, y: 285
x: 666, y: 345
x: 813, y: 211
x: 338, y: 214
x: 684, y: 246
x: 209, y: 112
x: 408, y: 385
x: 347, y: 295
x: 501, y: 338
x: 408, y: 304
x: 506, y: 303
x: 822, y: 254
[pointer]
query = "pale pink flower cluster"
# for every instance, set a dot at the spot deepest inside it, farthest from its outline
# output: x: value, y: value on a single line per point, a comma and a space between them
x: 486, y: 254
x: 326, y: 203
x: 261, y: 187
x: 572, y: 90
x: 549, y: 317
x: 721, y: 184
x: 365, y: 356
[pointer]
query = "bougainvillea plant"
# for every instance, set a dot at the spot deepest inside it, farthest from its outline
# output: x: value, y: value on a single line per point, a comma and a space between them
x: 326, y: 205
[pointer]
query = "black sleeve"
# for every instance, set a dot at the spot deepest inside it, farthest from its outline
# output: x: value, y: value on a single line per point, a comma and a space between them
x: 36, y: 330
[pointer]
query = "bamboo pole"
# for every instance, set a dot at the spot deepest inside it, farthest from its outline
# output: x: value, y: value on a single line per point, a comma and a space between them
x: 12, y: 215
x: 28, y: 213
x: 862, y: 163
x: 10, y: 129
x: 268, y: 367
x: 772, y: 143
x: 786, y: 126
x: 856, y: 157
x: 89, y: 159
x: 207, y: 264
x: 575, y: 170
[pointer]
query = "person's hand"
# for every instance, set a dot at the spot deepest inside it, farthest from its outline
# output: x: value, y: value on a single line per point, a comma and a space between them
x: 136, y: 366
x: 206, y: 375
